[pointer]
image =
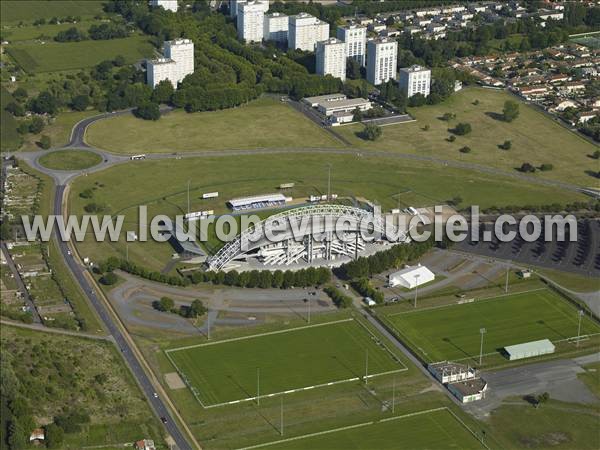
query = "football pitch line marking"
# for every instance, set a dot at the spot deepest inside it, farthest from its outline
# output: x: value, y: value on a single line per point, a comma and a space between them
x: 268, y: 333
x: 364, y: 424
x: 485, y: 299
x: 289, y: 391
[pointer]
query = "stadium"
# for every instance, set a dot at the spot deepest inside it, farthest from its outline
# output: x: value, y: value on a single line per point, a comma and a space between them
x: 299, y: 245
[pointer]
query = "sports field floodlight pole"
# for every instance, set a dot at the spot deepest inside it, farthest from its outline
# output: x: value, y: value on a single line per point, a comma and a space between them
x: 328, y: 182
x: 482, y: 331
x: 506, y: 283
x: 258, y: 386
x: 367, y: 366
x: 188, y: 195
x: 394, y: 395
x: 580, y: 314
x: 309, y: 309
x: 281, y: 416
x: 416, y: 288
x: 208, y: 324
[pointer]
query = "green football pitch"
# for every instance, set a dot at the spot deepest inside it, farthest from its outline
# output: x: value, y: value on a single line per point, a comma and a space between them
x: 280, y: 362
x: 452, y: 332
x: 428, y: 430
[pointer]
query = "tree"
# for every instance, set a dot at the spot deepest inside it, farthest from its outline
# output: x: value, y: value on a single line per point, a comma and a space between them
x: 465, y: 149
x: 163, y: 92
x: 506, y: 145
x: 165, y: 304
x: 596, y: 154
x: 527, y: 168
x: 371, y: 132
x: 357, y: 115
x: 20, y: 94
x: 147, y: 111
x: 546, y: 167
x: 80, y: 102
x: 23, y: 128
x: 36, y: 125
x: 510, y: 111
x: 448, y: 116
x: 451, y: 138
x: 53, y: 436
x: 109, y: 279
x: 44, y: 103
x: 462, y: 129
x: 196, y: 309
x: 352, y: 69
x: 541, y: 399
x: 70, y: 35
x: 45, y: 142
x: 16, y: 109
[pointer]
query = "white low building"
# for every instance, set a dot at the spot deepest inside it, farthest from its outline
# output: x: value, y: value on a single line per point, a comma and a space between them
x: 469, y: 390
x: 529, y: 349
x: 451, y: 372
x: 411, y: 277
x: 346, y: 105
x: 169, y: 5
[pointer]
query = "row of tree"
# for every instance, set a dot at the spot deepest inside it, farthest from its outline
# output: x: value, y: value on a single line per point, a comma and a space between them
x: 103, y: 31
x: 191, y: 311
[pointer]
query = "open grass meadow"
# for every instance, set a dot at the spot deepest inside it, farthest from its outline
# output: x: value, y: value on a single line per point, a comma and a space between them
x: 438, y: 429
x: 15, y: 11
x: 535, y: 138
x: 70, y: 160
x: 292, y: 359
x: 58, y: 56
x: 162, y: 186
x: 452, y: 332
x: 261, y: 123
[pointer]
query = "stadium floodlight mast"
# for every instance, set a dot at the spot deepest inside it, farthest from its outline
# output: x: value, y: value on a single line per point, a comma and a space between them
x: 328, y: 181
x: 258, y: 386
x: 188, y: 195
x: 506, y: 282
x: 394, y: 395
x: 208, y: 324
x: 482, y: 331
x: 580, y: 314
x: 416, y: 287
x: 367, y: 366
x: 309, y: 309
x: 281, y: 416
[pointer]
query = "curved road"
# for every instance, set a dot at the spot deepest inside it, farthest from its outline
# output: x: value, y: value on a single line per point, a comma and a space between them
x: 62, y: 178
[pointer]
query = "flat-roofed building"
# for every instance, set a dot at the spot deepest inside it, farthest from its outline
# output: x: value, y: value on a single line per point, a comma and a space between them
x: 469, y: 390
x: 250, y: 20
x: 355, y: 38
x: 257, y: 201
x: 411, y: 277
x: 331, y: 58
x: 451, y: 372
x: 305, y: 31
x: 169, y: 5
x: 382, y: 57
x: 415, y: 80
x: 276, y: 27
x: 314, y: 101
x: 529, y: 349
x: 346, y: 105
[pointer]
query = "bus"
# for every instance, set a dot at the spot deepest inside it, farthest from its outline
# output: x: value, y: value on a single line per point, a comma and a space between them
x: 136, y: 157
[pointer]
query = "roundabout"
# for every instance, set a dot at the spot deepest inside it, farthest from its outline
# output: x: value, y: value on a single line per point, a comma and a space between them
x: 70, y: 160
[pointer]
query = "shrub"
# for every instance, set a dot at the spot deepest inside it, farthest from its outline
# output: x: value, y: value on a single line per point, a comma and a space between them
x: 506, y: 145
x: 510, y: 111
x: 465, y: 149
x: 109, y: 279
x: 527, y: 168
x: 451, y: 138
x: 546, y: 167
x: 462, y: 129
x: 45, y: 142
x: 371, y: 132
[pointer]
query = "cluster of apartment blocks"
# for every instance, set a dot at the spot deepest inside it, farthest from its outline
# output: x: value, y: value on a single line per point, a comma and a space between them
x: 306, y: 32
x: 545, y: 77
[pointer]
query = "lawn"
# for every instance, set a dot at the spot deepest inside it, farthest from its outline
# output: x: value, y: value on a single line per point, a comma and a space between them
x: 261, y: 123
x: 57, y: 56
x: 291, y: 359
x: 452, y: 332
x: 45, y: 32
x: 70, y: 160
x: 535, y: 138
x: 162, y: 186
x: 437, y: 429
x: 10, y: 138
x: 14, y: 11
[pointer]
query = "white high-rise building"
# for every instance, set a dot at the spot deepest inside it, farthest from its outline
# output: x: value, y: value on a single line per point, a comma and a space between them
x: 236, y: 5
x: 276, y: 27
x: 170, y: 5
x: 355, y: 37
x: 415, y: 80
x: 382, y: 57
x: 250, y: 20
x: 305, y: 31
x: 331, y: 58
x: 178, y: 62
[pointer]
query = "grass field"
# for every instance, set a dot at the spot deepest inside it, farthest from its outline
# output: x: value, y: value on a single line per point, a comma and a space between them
x: 10, y: 139
x: 57, y: 56
x: 452, y: 332
x: 388, y: 182
x: 47, y: 31
x: 292, y: 359
x: 70, y: 160
x: 535, y: 138
x: 429, y: 430
x: 59, y: 130
x: 272, y: 124
x: 14, y: 11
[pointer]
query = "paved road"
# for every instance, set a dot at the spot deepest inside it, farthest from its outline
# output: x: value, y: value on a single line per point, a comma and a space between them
x: 138, y: 371
x: 21, y: 284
